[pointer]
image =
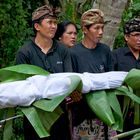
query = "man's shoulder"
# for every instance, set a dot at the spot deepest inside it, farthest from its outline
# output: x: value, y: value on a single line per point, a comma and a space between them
x: 119, y: 50
x: 27, y: 45
x: 60, y: 47
x: 103, y: 45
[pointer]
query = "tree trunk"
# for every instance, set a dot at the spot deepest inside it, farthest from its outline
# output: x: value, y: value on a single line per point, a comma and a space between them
x: 113, y: 10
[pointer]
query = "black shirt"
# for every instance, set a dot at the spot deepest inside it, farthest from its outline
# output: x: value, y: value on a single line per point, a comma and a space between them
x: 56, y: 60
x: 124, y: 59
x: 95, y: 60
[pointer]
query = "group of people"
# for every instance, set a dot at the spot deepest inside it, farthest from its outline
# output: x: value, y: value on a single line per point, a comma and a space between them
x: 54, y: 48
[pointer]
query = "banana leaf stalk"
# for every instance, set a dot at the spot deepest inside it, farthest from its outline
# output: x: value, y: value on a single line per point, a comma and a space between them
x: 123, y: 135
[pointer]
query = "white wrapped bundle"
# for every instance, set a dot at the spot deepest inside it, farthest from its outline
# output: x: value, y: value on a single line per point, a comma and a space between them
x: 25, y: 92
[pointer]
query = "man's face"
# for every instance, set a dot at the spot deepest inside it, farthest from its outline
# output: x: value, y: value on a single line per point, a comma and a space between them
x: 47, y: 27
x: 133, y: 40
x: 95, y: 32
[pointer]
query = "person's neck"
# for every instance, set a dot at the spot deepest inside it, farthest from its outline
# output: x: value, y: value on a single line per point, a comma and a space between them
x: 88, y: 43
x: 44, y: 43
x: 136, y: 53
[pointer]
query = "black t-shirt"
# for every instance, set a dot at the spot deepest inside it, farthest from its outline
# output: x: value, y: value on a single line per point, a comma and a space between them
x: 124, y: 59
x: 56, y: 60
x: 95, y: 60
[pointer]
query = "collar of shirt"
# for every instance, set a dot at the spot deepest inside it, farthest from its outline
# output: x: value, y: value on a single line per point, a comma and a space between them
x: 51, y: 49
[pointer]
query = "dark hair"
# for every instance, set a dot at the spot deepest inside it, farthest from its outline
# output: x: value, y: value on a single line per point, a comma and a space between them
x: 61, y: 28
x: 39, y: 20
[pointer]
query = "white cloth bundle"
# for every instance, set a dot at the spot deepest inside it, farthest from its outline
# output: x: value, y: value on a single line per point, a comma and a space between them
x: 25, y: 92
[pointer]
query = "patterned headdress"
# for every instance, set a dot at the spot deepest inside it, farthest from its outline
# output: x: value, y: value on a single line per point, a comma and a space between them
x: 132, y: 25
x: 92, y: 16
x: 44, y: 11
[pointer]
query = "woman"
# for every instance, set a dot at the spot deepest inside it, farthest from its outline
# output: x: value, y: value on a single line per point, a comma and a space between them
x: 66, y: 33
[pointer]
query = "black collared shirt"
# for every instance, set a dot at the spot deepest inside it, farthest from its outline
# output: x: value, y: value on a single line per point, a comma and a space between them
x: 56, y: 60
x: 124, y: 59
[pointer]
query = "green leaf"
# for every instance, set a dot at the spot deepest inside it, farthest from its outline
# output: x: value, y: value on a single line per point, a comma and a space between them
x: 116, y: 110
x: 50, y: 105
x: 99, y: 104
x: 20, y: 72
x: 129, y: 94
x: 35, y: 121
x: 133, y: 79
x: 136, y: 137
x: 8, y: 130
x: 126, y: 104
x: 49, y: 118
x: 137, y: 110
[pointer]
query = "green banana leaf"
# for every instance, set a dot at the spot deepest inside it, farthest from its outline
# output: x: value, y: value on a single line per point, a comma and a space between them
x: 137, y: 109
x: 116, y: 110
x: 8, y: 130
x: 136, y: 136
x: 99, y: 104
x: 20, y: 72
x: 33, y: 117
x: 133, y: 79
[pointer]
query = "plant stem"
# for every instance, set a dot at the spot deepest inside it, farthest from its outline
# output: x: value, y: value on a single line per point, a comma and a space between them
x: 125, y: 134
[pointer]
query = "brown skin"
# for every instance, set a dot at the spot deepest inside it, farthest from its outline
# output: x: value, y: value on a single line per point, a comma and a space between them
x: 92, y: 35
x: 133, y: 42
x: 45, y: 33
x: 69, y: 36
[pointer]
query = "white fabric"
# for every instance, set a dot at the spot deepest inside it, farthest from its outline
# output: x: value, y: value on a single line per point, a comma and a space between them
x: 25, y: 92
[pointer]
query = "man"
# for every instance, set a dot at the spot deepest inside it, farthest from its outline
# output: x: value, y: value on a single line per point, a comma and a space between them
x: 49, y: 54
x: 42, y: 50
x: 90, y: 56
x: 127, y: 58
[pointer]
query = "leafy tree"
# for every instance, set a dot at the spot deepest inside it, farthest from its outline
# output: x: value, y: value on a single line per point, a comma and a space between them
x: 132, y: 10
x: 15, y: 27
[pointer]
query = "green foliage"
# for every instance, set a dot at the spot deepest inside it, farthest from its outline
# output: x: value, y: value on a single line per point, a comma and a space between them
x: 15, y: 21
x: 72, y: 10
x: 132, y: 10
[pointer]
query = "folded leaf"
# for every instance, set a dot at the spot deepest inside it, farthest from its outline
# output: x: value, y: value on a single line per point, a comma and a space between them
x: 116, y: 110
x: 99, y: 104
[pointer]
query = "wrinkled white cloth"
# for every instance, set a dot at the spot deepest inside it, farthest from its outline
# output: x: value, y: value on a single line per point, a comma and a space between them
x: 25, y: 92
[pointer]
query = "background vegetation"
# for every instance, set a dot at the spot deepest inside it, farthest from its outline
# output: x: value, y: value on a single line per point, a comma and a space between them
x: 132, y: 10
x: 16, y: 26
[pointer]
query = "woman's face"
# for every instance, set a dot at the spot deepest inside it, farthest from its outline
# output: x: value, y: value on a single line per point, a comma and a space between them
x: 69, y: 36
